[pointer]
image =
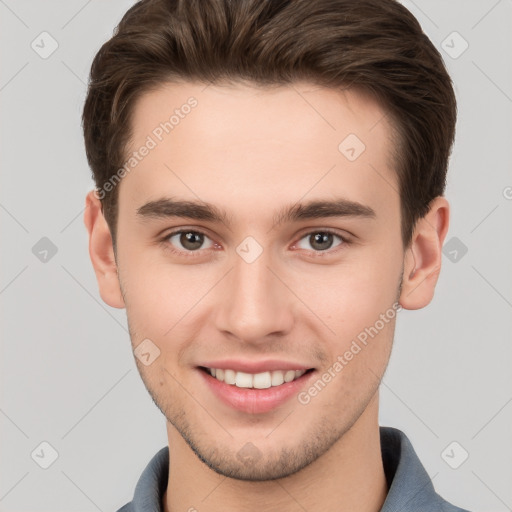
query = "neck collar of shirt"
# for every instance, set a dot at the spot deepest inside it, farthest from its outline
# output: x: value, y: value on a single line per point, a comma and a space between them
x: 410, y: 487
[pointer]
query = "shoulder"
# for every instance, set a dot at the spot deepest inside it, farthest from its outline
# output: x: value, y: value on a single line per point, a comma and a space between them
x: 408, y: 482
x: 151, y: 485
x: 126, y: 508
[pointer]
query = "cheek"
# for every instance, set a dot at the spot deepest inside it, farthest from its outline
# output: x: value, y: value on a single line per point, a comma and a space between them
x: 357, y: 301
x: 351, y: 296
x: 161, y: 299
x: 357, y: 356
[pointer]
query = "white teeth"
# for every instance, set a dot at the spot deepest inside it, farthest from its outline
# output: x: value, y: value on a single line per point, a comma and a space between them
x: 262, y: 380
x: 289, y: 375
x: 243, y: 380
x: 229, y: 376
x: 277, y: 378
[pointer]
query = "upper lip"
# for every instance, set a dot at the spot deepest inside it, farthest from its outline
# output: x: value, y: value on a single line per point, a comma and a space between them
x: 267, y: 365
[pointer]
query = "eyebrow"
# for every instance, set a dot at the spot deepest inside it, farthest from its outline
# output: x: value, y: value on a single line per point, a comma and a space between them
x: 168, y: 207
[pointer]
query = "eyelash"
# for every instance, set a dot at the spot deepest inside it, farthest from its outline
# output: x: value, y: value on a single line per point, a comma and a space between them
x: 193, y: 254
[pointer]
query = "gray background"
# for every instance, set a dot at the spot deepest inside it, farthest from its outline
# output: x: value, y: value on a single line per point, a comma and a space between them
x: 68, y: 375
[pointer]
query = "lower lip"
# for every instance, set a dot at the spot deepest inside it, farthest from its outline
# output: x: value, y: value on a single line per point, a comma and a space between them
x: 255, y: 401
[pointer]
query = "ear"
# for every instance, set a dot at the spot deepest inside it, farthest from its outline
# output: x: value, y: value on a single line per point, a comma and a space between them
x: 101, y: 252
x: 422, y: 263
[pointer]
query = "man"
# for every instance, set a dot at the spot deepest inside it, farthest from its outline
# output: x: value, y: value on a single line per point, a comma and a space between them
x: 270, y: 181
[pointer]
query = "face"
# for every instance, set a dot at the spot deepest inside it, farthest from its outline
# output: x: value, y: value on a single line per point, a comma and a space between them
x: 254, y: 246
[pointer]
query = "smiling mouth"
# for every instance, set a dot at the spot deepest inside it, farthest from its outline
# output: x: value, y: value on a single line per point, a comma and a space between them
x: 263, y: 380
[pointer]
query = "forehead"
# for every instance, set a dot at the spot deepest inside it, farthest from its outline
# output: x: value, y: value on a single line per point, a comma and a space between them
x: 236, y: 143
x: 300, y: 110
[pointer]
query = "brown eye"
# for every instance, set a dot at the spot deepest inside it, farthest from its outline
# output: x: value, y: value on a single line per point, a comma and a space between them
x: 189, y: 240
x: 319, y: 241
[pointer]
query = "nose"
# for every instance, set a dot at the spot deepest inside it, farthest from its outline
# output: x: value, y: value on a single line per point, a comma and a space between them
x: 254, y: 304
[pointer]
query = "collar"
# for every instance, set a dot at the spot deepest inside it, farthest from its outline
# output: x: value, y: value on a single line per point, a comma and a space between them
x: 410, y: 487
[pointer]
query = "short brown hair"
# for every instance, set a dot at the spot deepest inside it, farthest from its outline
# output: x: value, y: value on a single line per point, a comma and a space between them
x: 375, y: 46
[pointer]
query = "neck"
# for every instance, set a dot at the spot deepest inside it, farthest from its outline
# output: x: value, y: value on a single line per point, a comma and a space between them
x: 348, y: 477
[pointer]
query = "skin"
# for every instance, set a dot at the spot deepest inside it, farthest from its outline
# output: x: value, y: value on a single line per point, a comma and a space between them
x: 252, y: 151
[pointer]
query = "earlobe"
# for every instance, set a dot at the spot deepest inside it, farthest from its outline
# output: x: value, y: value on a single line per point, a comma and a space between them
x: 422, y: 263
x: 101, y: 252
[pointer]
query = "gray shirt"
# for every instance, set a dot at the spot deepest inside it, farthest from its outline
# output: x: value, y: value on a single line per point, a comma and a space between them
x: 410, y: 487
